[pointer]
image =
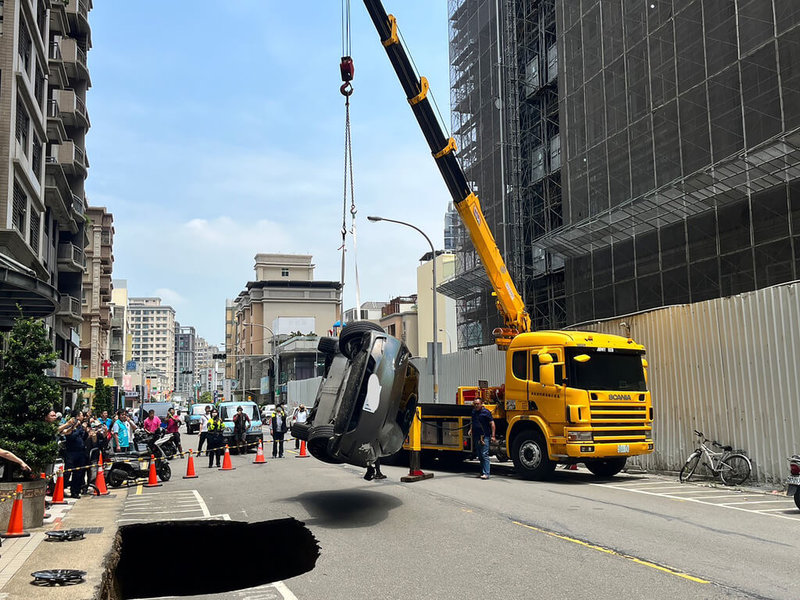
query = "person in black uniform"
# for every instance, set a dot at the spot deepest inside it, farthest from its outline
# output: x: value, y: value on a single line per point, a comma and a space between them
x: 75, y: 453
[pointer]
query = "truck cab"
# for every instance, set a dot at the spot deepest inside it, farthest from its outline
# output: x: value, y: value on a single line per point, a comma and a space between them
x: 573, y: 396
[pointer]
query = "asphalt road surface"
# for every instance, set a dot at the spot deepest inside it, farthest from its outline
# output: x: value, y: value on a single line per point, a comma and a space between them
x: 456, y: 536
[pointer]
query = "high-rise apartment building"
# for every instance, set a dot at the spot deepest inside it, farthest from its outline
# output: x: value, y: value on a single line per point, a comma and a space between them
x: 185, y: 360
x: 43, y: 167
x: 152, y: 329
x: 96, y: 300
x: 673, y: 128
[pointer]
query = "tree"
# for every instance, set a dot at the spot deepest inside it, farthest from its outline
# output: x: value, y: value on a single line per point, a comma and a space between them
x: 207, y: 398
x: 102, y: 397
x: 27, y: 395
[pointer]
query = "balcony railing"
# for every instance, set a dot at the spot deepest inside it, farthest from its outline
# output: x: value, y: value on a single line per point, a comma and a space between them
x: 77, y: 204
x: 71, y: 252
x: 55, y: 51
x: 52, y: 110
x: 70, y: 306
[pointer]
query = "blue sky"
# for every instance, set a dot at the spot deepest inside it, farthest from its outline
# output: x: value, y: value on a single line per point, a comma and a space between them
x: 218, y: 132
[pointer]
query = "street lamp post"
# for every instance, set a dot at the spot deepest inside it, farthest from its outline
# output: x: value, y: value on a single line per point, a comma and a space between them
x: 435, y: 364
x: 276, y: 356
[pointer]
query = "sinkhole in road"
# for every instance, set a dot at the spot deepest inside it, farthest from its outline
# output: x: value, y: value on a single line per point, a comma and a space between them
x: 235, y: 552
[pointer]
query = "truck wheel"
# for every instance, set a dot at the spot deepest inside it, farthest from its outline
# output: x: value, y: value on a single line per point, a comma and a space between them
x: 607, y: 467
x: 530, y: 456
x: 328, y: 345
x: 352, y: 335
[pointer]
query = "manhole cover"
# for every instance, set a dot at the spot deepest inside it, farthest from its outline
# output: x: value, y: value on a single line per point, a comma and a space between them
x: 58, y: 577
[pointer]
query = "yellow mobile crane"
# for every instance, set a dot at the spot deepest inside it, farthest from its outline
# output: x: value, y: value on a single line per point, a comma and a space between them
x: 568, y: 396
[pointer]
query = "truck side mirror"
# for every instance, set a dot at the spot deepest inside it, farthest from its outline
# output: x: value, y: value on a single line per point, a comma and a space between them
x: 582, y: 358
x: 547, y: 374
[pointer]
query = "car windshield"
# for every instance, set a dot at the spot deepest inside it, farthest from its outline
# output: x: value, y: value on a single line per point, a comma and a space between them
x: 227, y: 412
x: 608, y: 369
x: 199, y: 409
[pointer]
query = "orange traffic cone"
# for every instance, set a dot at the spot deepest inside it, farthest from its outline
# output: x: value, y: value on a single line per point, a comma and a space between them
x: 100, y: 479
x: 303, y: 453
x: 152, y: 479
x: 190, y: 474
x: 15, y: 522
x: 260, y: 460
x: 227, y: 465
x: 58, y: 492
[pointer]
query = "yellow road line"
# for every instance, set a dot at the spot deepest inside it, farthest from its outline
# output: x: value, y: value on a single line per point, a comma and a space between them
x: 615, y: 553
x: 139, y: 489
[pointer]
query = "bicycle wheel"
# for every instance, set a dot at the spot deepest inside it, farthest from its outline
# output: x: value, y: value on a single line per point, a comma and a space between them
x: 688, y: 469
x: 734, y: 469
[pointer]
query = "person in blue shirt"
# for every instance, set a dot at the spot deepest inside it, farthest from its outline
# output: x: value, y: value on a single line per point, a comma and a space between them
x: 482, y: 431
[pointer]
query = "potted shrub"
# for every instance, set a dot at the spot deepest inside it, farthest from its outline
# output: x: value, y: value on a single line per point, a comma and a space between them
x: 26, y: 396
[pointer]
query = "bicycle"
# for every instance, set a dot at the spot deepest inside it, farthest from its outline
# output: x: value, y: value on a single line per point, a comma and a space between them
x: 732, y: 467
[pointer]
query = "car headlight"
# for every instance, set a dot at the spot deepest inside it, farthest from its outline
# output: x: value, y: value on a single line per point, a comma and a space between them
x: 579, y: 436
x: 228, y: 429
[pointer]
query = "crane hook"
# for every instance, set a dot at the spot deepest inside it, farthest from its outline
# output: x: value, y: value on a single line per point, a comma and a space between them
x: 347, y: 70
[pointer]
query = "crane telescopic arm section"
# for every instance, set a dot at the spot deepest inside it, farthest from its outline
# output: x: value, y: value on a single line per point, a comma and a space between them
x: 509, y: 302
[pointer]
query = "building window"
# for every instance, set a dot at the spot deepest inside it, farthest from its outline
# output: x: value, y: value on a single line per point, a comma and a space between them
x: 20, y: 209
x: 34, y: 231
x: 24, y: 47
x: 23, y: 126
x: 284, y: 271
x: 2, y: 2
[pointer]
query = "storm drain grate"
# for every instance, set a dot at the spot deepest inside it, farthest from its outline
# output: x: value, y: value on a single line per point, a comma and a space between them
x: 88, y: 530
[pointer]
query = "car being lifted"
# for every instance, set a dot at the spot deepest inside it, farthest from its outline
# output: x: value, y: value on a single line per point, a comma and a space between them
x: 367, y: 398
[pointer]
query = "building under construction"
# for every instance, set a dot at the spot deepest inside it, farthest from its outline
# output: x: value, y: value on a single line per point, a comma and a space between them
x: 680, y: 176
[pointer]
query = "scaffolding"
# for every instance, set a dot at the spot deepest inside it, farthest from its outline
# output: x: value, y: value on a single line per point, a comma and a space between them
x: 504, y: 106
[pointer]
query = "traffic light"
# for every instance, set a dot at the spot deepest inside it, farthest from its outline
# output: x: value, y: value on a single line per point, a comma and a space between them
x: 222, y: 356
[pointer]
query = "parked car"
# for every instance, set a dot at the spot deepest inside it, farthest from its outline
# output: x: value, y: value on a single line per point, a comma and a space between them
x: 193, y: 416
x: 367, y: 398
x: 255, y: 431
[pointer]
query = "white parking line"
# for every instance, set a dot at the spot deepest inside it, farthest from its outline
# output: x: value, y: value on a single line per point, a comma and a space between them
x: 202, y: 503
x: 754, y: 502
x: 729, y: 506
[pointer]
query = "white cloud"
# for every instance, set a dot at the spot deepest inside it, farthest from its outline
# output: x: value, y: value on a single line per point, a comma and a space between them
x: 170, y: 297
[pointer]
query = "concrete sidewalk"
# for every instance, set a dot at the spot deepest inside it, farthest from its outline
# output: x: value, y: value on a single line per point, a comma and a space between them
x: 22, y: 556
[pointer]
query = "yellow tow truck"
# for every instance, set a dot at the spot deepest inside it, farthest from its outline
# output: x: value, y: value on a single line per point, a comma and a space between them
x: 569, y: 396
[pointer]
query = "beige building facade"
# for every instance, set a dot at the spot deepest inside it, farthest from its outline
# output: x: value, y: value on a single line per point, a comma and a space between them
x: 96, y: 296
x: 284, y: 300
x: 399, y: 319
x: 445, y: 307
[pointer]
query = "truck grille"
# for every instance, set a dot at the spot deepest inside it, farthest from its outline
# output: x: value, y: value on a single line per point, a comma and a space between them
x: 619, y: 423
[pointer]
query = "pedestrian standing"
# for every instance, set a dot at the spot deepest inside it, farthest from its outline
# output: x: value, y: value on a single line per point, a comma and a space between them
x: 152, y: 422
x: 203, y: 430
x: 173, y: 427
x: 300, y: 415
x: 241, y: 423
x: 122, y: 431
x: 482, y: 430
x: 215, y: 439
x: 278, y: 431
x: 75, y: 453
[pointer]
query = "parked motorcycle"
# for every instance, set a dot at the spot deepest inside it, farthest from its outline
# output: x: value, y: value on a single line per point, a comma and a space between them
x: 129, y: 466
x: 793, y: 481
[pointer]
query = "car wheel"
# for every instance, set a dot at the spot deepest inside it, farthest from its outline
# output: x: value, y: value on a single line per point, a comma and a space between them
x: 327, y: 345
x: 352, y: 335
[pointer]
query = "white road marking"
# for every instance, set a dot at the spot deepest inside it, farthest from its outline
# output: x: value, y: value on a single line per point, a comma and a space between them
x: 202, y: 503
x: 729, y: 505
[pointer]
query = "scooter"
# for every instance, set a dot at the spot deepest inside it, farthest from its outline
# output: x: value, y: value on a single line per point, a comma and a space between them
x: 130, y: 466
x: 793, y: 481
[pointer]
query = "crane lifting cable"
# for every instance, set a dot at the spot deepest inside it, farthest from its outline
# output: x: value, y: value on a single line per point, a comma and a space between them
x: 347, y: 71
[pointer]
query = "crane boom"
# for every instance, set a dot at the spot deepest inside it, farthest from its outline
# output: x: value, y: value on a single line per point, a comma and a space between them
x: 443, y: 149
